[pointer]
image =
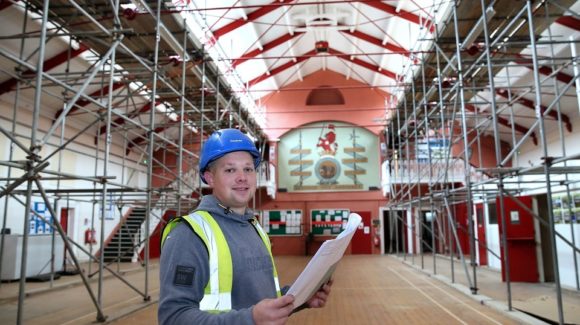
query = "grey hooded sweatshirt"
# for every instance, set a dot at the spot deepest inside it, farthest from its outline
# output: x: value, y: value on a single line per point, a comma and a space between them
x: 184, y: 270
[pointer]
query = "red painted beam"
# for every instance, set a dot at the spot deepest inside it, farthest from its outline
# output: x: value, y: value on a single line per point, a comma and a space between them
x: 137, y: 141
x: 120, y: 121
x: 251, y: 17
x: 545, y: 70
x: 530, y: 104
x: 266, y: 47
x: 560, y: 76
x: 364, y: 64
x: 84, y: 102
x: 5, y: 4
x: 401, y: 14
x: 570, y: 22
x: 281, y: 68
x: 373, y: 40
x: 49, y: 64
x: 505, y: 122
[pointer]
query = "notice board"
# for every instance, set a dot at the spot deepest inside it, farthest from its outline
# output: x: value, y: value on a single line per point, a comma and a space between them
x: 282, y: 222
x: 328, y: 222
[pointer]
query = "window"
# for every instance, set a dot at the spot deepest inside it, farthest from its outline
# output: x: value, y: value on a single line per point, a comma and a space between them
x: 325, y: 95
x: 566, y: 208
x: 492, y: 214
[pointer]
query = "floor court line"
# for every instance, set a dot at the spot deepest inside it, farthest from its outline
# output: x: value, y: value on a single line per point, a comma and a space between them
x: 428, y: 297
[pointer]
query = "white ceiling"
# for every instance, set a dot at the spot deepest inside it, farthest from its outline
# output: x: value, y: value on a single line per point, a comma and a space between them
x: 350, y: 27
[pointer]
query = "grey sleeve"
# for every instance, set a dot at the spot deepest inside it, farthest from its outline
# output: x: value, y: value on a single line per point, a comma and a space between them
x: 183, y: 276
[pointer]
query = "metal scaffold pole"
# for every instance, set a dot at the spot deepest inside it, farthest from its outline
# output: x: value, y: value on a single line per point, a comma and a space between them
x: 500, y: 145
x: 547, y: 160
x: 31, y: 163
x: 94, y: 138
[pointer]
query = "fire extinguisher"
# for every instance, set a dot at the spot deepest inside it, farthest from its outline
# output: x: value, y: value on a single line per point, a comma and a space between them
x: 377, y: 238
x: 90, y: 236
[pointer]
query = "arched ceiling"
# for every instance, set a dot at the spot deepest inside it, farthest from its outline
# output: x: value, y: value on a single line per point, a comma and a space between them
x: 271, y: 44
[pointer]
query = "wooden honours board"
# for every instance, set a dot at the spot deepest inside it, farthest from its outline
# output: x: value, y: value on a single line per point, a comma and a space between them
x: 282, y: 222
x: 328, y: 222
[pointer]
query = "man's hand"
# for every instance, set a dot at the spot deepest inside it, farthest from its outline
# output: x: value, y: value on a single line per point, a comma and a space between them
x: 318, y: 300
x: 273, y: 311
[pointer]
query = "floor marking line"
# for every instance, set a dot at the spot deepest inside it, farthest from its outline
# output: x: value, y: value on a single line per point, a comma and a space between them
x: 428, y: 297
x: 108, y: 307
x: 461, y: 301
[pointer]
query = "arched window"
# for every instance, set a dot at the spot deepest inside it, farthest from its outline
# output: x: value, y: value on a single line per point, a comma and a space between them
x: 325, y: 95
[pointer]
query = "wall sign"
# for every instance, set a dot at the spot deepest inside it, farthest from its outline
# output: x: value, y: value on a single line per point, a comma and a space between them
x: 37, y: 226
x: 282, y: 222
x: 328, y: 222
x: 328, y: 156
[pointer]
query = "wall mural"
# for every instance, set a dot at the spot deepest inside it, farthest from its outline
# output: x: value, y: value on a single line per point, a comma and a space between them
x: 328, y: 156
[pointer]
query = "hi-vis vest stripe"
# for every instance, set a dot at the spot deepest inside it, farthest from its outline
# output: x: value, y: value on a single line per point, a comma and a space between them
x: 218, y: 291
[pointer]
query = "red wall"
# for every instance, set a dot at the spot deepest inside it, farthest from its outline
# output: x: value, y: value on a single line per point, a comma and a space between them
x: 487, y: 144
x: 286, y: 110
x: 296, y: 245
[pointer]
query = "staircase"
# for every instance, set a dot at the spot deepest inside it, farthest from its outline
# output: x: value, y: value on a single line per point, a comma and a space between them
x: 122, y: 246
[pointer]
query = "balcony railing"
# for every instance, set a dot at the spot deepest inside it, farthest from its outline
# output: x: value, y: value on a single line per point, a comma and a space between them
x: 267, y: 178
x: 425, y: 172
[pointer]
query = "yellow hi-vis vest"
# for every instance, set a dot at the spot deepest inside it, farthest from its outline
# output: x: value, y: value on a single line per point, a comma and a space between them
x: 217, y: 295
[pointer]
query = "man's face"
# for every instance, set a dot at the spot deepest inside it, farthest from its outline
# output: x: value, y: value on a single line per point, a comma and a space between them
x: 233, y: 180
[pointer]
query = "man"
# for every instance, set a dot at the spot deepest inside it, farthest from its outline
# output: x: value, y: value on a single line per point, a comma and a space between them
x: 216, y: 263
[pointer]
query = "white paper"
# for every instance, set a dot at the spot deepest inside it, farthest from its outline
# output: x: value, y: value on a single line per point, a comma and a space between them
x: 323, y: 263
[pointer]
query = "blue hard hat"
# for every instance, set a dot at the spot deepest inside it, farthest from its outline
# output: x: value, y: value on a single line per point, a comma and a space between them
x: 222, y: 142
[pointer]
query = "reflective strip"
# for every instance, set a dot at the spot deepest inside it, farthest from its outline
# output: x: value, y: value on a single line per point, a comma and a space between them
x: 217, y: 293
x: 172, y: 224
x: 216, y: 302
x: 277, y: 283
x: 266, y: 241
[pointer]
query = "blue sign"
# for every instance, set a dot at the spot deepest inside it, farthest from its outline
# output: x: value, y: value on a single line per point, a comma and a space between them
x: 37, y: 225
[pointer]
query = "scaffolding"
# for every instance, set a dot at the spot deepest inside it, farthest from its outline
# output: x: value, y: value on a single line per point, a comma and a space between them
x: 127, y: 88
x: 130, y: 89
x: 499, y: 77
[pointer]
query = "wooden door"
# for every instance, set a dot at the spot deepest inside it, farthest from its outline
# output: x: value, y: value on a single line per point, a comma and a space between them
x: 481, y: 239
x: 462, y: 226
x: 64, y: 219
x: 362, y: 240
x: 521, y: 243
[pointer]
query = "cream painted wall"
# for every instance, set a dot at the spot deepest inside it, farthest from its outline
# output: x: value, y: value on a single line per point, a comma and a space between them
x: 287, y: 108
x: 78, y: 159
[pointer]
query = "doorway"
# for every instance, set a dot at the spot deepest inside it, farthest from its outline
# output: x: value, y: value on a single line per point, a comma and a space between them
x: 481, y: 237
x: 427, y: 218
x: 521, y: 240
x: 362, y: 239
x: 393, y: 231
x: 64, y: 219
x: 67, y: 223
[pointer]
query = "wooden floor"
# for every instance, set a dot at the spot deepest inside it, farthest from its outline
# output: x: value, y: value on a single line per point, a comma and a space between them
x: 372, y: 289
x: 367, y: 290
